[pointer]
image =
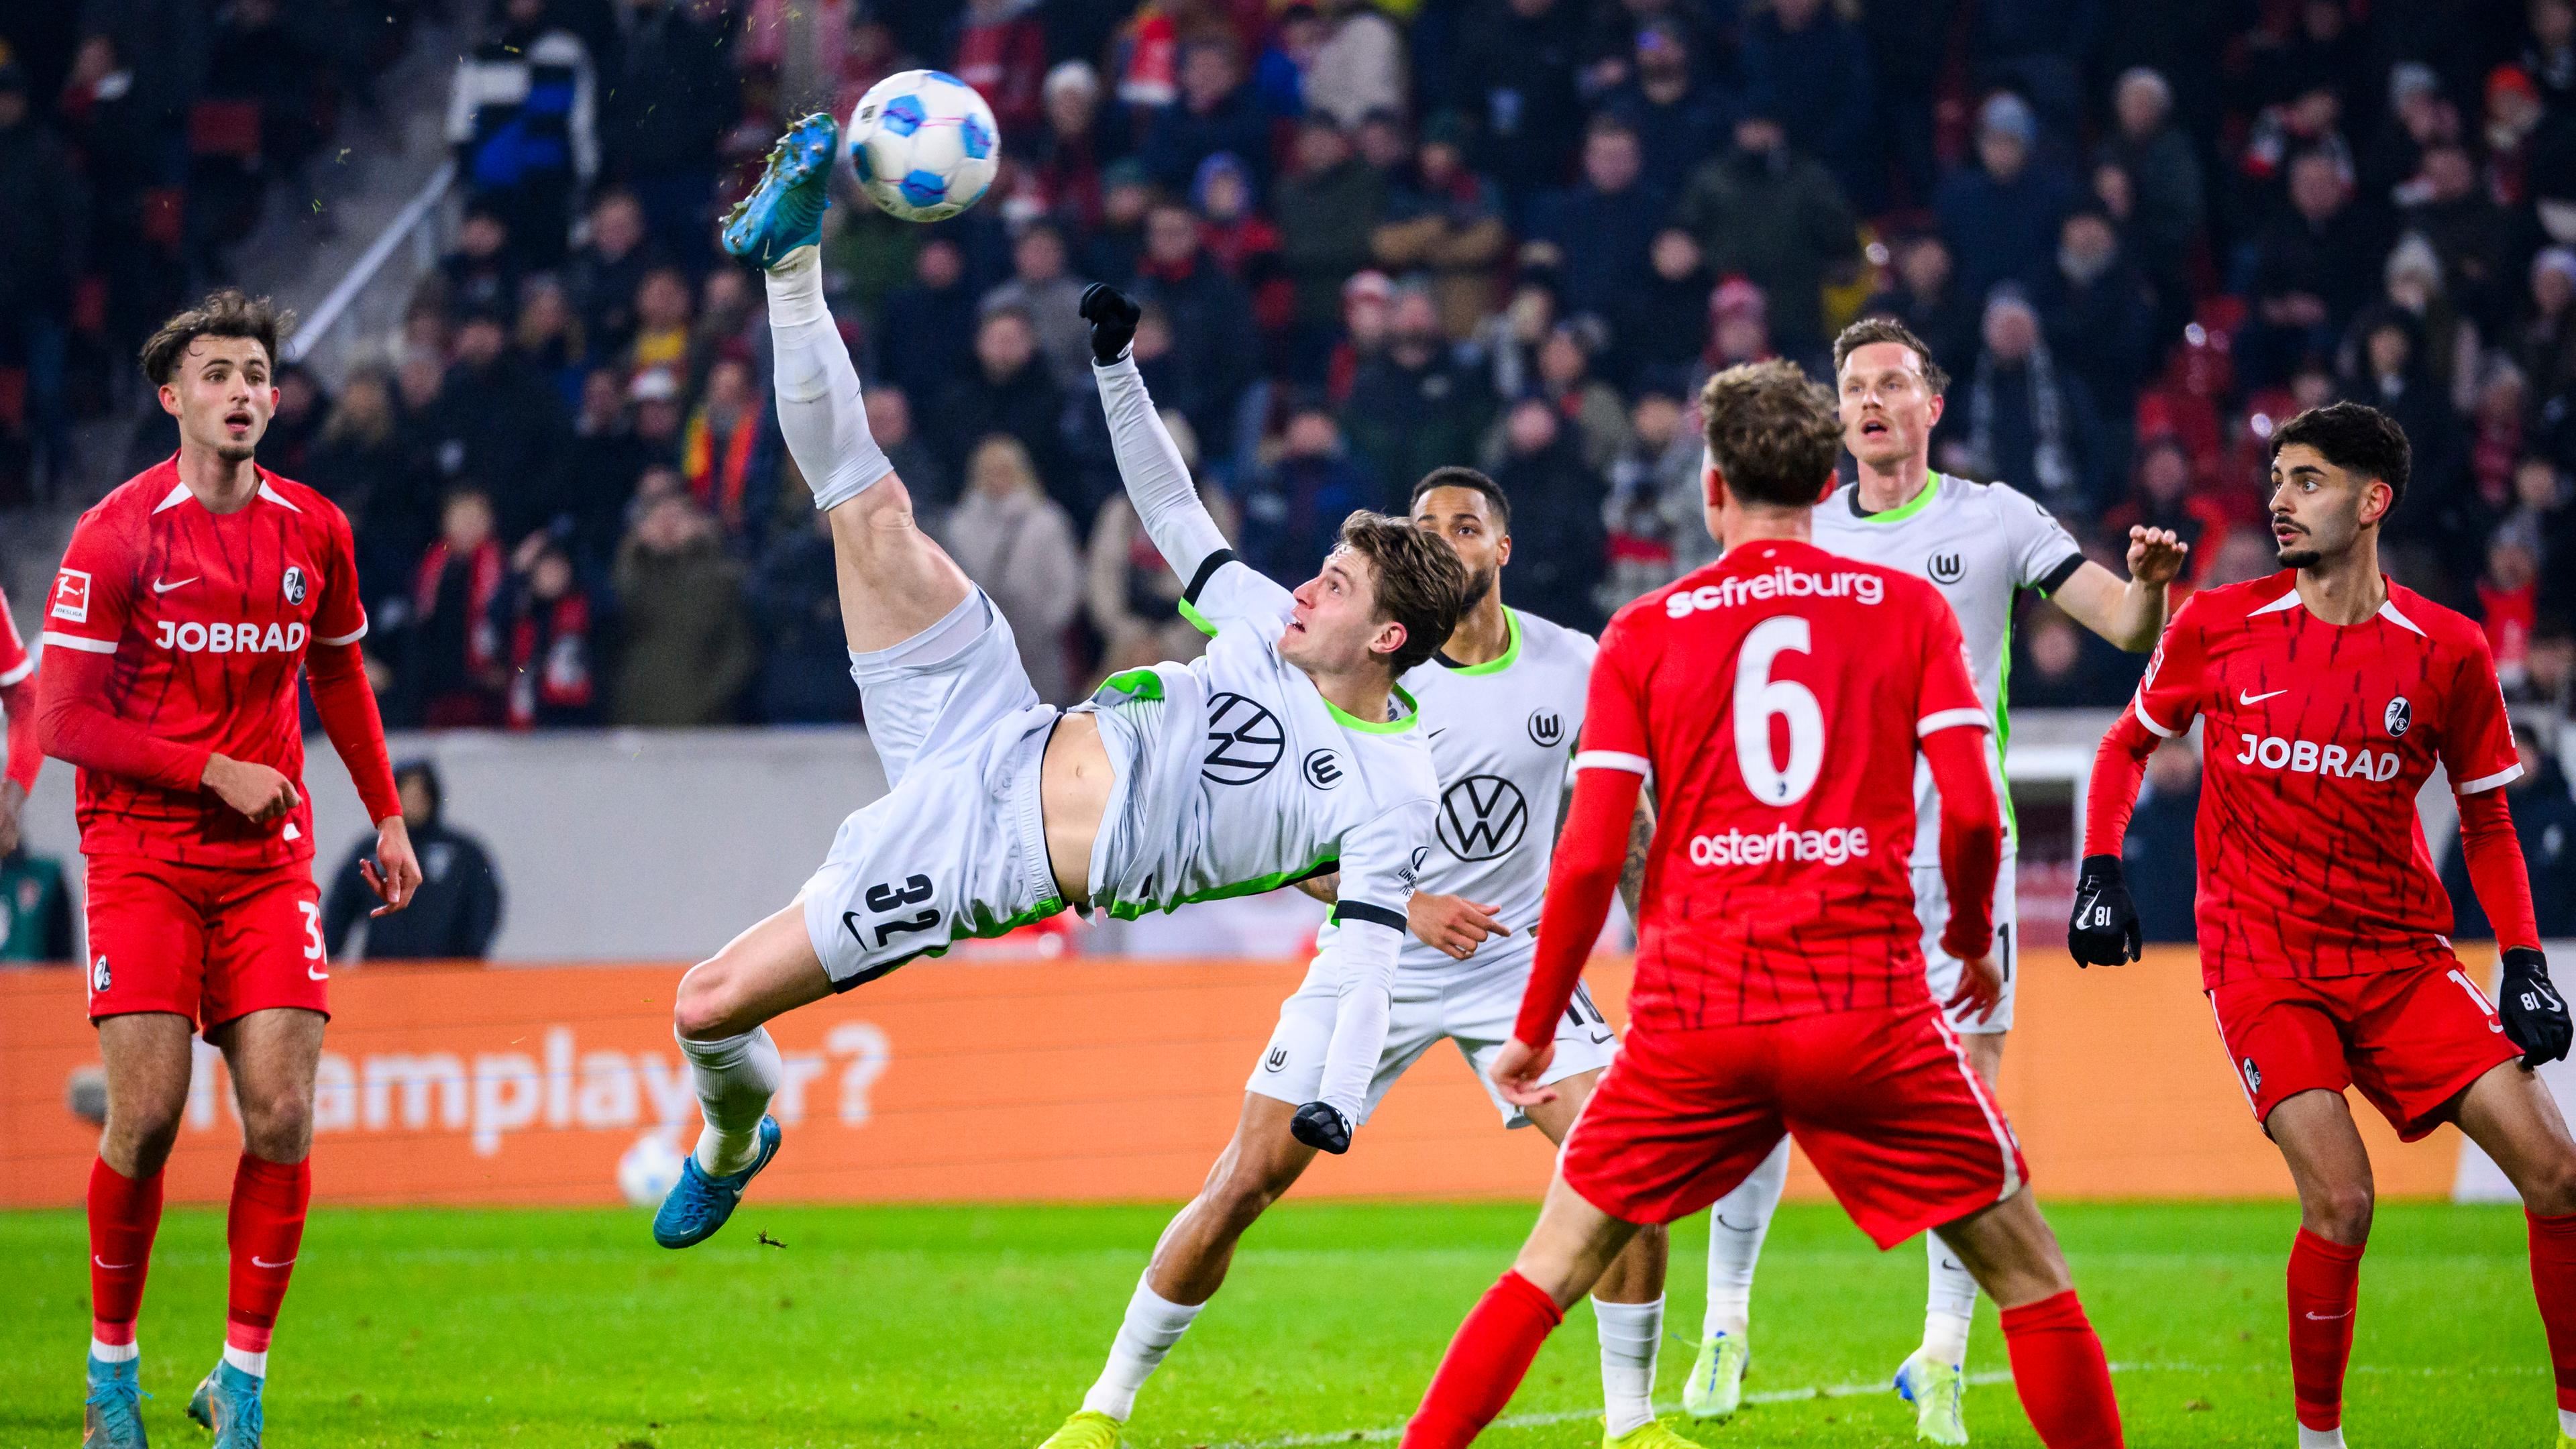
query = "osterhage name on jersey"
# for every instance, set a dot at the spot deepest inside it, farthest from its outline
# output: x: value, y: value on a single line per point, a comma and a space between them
x: 1235, y: 775
x: 1980, y: 544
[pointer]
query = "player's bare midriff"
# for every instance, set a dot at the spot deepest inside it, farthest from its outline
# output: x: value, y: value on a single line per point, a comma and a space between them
x: 1073, y: 796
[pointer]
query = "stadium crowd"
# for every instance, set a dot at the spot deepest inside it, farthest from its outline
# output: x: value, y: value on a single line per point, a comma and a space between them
x: 1375, y: 237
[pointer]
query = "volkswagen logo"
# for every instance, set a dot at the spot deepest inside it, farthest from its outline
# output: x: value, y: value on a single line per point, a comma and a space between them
x: 1482, y: 817
x: 1244, y: 740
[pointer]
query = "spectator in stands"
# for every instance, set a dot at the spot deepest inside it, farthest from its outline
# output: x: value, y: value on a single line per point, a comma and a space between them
x: 1327, y: 208
x: 454, y: 912
x: 2388, y: 371
x: 548, y: 335
x: 1587, y: 404
x: 2544, y: 341
x: 1018, y: 544
x: 796, y: 605
x: 934, y: 317
x: 523, y: 119
x: 1235, y: 235
x: 1412, y: 408
x: 687, y: 649
x: 358, y: 462
x: 296, y: 423
x: 676, y: 93
x: 1293, y: 507
x: 554, y: 657
x: 1810, y: 70
x: 1115, y: 247
x: 2312, y: 120
x: 2158, y: 851
x: 2162, y: 495
x: 1010, y: 391
x: 2544, y: 819
x: 2026, y: 421
x: 1447, y: 223
x: 2059, y: 669
x: 727, y: 456
x: 1041, y: 286
x: 2468, y: 231
x: 1678, y: 118
x: 482, y: 274
x: 664, y: 311
x: 2000, y: 216
x: 1661, y: 323
x: 1217, y: 112
x: 1002, y: 53
x: 1557, y: 498
x: 1604, y: 226
x: 1514, y: 76
x: 1645, y: 541
x: 1210, y: 346
x: 1777, y: 218
x: 2165, y: 177
x: 453, y: 661
x: 2314, y: 267
x: 39, y: 251
x: 2097, y: 310
x: 497, y: 419
x: 1066, y: 157
x: 890, y: 422
x: 1928, y: 299
x: 1130, y: 593
x: 606, y: 271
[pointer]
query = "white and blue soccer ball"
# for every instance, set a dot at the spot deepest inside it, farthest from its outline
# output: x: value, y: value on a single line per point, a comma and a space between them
x: 648, y: 1171
x: 923, y: 144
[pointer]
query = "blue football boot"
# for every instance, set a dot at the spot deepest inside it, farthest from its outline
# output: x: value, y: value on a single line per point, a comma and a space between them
x: 113, y: 1416
x: 785, y: 211
x: 228, y: 1403
x: 700, y: 1202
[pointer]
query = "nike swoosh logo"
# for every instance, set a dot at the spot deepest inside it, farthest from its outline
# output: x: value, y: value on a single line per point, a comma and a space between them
x: 111, y: 1267
x: 1603, y: 1037
x: 159, y: 587
x: 257, y: 1261
x: 312, y: 975
x: 2243, y: 698
x: 1435, y: 734
x: 2329, y: 1317
x: 850, y: 922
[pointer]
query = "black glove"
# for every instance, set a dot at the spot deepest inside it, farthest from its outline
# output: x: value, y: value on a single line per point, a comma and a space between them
x: 2535, y: 1015
x: 1112, y: 315
x: 2104, y: 931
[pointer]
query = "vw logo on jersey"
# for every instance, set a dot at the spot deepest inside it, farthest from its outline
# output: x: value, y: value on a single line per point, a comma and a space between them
x: 1244, y: 740
x: 294, y: 584
x: 1323, y: 771
x: 1482, y: 817
x: 1946, y: 568
x: 2400, y: 717
x: 1546, y: 728
x: 1278, y: 1058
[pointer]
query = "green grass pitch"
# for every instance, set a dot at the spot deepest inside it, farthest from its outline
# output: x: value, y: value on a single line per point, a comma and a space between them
x: 982, y: 1325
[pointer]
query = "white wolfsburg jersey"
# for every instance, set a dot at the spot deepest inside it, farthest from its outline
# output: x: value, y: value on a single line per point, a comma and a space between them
x: 1980, y: 544
x: 1502, y: 736
x: 1236, y: 775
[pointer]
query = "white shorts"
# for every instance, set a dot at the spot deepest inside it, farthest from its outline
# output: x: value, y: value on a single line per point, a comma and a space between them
x: 957, y: 846
x: 1932, y: 909
x: 1475, y: 1009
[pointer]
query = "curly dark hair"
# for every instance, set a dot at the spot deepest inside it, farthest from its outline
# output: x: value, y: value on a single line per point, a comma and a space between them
x: 225, y: 313
x: 1887, y: 329
x: 1419, y: 582
x: 1771, y: 433
x: 2361, y: 440
x: 1455, y: 475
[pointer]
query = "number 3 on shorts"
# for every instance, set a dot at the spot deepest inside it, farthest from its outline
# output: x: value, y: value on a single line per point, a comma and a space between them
x: 312, y: 928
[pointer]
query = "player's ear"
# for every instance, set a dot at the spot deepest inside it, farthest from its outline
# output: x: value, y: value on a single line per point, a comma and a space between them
x: 1502, y: 550
x: 2376, y: 499
x: 1389, y: 638
x: 1935, y: 409
x: 169, y: 396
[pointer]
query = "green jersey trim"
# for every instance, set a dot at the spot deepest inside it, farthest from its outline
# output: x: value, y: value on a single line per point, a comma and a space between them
x: 1902, y: 511
x: 1348, y: 720
x: 1197, y: 620
x: 2003, y: 732
x: 1510, y: 656
x: 1130, y: 910
x: 1136, y: 684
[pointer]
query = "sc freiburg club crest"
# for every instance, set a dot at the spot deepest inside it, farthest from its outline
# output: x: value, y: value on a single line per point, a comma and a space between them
x: 1244, y: 740
x: 1482, y: 817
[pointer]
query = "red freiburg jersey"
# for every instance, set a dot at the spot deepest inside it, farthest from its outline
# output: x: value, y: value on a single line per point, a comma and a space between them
x: 1777, y: 696
x: 15, y: 666
x: 208, y: 616
x: 2317, y: 738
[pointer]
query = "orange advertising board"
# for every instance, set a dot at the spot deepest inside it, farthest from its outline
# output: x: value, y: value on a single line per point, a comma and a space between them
x: 1070, y: 1079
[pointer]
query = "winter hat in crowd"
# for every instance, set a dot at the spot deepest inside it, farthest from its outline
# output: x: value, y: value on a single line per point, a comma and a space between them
x: 2010, y: 115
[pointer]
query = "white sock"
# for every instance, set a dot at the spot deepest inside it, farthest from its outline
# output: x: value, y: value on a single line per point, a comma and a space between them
x: 1629, y: 1334
x: 820, y: 412
x: 1736, y: 1227
x: 736, y: 1077
x: 2333, y: 1438
x: 1951, y: 1306
x: 253, y: 1364
x: 115, y: 1352
x: 2567, y: 1421
x: 1153, y: 1325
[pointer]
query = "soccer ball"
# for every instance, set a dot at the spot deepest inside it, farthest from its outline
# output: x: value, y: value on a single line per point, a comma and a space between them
x: 650, y: 1169
x: 923, y: 144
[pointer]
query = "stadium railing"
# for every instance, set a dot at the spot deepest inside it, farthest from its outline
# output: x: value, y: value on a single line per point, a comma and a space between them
x: 365, y: 308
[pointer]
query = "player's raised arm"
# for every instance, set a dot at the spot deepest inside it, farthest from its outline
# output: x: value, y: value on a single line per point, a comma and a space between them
x: 2131, y: 612
x: 2104, y: 929
x: 1158, y: 482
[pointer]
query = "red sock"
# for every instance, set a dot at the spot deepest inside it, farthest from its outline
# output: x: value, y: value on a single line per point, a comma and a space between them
x: 266, y: 1230
x: 2325, y: 1287
x: 1484, y: 1364
x: 2059, y: 1371
x: 2553, y: 1282
x: 124, y: 1212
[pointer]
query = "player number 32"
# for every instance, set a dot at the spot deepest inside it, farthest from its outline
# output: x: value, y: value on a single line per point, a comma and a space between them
x: 1759, y: 699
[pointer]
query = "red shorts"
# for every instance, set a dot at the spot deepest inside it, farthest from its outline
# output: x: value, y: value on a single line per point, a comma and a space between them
x: 2412, y: 1039
x: 1884, y: 1103
x: 207, y: 944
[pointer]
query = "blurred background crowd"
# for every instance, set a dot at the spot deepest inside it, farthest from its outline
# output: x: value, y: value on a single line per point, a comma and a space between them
x: 1372, y: 236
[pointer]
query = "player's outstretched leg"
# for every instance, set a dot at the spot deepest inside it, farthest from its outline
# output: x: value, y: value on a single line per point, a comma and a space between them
x: 2057, y: 1363
x: 1736, y: 1228
x: 718, y: 1019
x: 2510, y: 1114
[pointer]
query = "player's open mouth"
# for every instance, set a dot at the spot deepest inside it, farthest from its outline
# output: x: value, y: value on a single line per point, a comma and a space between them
x: 238, y: 421
x: 1872, y: 428
x: 2286, y: 531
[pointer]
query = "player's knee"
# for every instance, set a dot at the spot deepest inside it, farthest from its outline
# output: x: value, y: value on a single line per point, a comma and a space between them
x: 2548, y: 1188
x: 708, y: 1001
x: 145, y: 1138
x: 2340, y: 1213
